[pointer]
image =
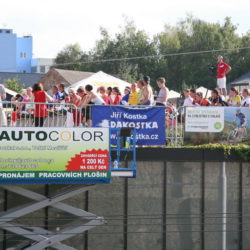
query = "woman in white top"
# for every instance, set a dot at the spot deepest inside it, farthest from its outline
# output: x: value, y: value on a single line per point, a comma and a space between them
x: 245, y: 102
x: 188, y: 99
x: 162, y: 97
x: 91, y: 97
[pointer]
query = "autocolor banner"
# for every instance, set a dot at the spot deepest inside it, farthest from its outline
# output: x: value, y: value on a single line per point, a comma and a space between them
x: 223, y: 125
x: 149, y: 122
x: 54, y: 155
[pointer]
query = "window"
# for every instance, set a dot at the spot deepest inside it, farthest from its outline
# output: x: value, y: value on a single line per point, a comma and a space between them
x: 21, y: 55
x: 24, y: 54
x: 42, y: 69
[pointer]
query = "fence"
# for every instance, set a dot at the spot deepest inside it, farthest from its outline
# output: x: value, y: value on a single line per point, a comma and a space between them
x: 30, y: 114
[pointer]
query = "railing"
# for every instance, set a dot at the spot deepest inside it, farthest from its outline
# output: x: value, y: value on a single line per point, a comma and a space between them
x: 30, y: 114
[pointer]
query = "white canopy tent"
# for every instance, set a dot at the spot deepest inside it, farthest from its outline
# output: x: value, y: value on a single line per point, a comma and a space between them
x: 173, y: 94
x: 101, y: 79
x: 206, y: 92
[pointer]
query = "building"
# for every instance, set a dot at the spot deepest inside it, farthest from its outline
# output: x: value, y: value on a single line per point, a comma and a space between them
x: 16, y: 52
x: 240, y: 83
x: 41, y: 65
x: 28, y: 79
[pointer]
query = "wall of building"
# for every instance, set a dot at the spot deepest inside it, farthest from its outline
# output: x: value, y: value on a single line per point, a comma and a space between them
x: 24, y: 54
x: 169, y: 205
x: 7, y: 50
x: 16, y: 52
x: 41, y: 65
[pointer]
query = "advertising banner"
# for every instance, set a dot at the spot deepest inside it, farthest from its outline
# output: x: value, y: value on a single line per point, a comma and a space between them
x: 149, y: 122
x: 223, y: 125
x: 54, y: 155
x: 204, y: 119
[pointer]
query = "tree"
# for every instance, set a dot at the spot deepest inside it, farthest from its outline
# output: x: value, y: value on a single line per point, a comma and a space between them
x: 14, y: 85
x: 69, y: 57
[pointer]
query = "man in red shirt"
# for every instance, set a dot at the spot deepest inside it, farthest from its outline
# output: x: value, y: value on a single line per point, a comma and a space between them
x: 222, y: 69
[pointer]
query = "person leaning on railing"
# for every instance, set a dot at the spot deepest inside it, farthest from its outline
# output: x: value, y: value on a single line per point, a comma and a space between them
x: 75, y: 100
x: 40, y: 97
x: 216, y: 99
x: 234, y: 98
x: 140, y: 85
x: 125, y: 98
x: 132, y: 100
x: 245, y: 102
x: 200, y: 101
x: 117, y: 96
x: 3, y: 118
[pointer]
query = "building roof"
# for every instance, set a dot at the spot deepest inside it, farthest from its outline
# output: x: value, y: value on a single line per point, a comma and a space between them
x: 242, y: 80
x: 72, y: 76
x: 29, y: 79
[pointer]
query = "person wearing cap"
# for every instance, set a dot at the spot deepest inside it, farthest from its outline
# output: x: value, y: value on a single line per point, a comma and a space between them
x: 125, y: 98
x: 133, y: 95
x: 222, y: 69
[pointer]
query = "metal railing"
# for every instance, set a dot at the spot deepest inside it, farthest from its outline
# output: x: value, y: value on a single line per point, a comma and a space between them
x: 30, y: 114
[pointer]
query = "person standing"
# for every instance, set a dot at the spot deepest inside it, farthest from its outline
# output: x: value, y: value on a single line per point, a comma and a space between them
x: 3, y: 118
x: 40, y: 98
x: 62, y: 93
x: 162, y: 97
x: 133, y: 95
x: 147, y: 97
x: 222, y: 69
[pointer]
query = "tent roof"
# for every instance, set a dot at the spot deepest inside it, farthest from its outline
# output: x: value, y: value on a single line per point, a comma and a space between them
x: 173, y: 94
x: 10, y: 92
x: 101, y: 79
x: 242, y: 80
x: 206, y: 92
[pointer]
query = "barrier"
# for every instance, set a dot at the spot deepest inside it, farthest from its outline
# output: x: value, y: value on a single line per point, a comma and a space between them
x: 68, y: 115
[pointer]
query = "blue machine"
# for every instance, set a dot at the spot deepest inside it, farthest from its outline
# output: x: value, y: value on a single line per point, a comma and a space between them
x: 126, y: 142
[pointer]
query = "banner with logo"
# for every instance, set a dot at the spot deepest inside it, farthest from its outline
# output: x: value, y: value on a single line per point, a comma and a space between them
x: 54, y: 155
x: 149, y: 122
x: 217, y: 124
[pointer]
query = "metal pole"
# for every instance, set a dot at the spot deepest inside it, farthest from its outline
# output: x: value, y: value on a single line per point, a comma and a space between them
x: 223, y: 204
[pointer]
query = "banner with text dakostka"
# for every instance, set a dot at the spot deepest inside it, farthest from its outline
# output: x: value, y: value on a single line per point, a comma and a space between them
x: 49, y: 155
x: 149, y: 122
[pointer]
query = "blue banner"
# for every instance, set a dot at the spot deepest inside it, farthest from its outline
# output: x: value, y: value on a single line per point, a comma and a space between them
x: 149, y: 122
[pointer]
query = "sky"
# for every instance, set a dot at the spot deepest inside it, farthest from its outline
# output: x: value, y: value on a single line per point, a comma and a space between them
x: 55, y: 24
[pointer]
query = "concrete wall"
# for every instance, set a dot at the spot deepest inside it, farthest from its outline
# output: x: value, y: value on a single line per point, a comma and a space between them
x: 170, y: 205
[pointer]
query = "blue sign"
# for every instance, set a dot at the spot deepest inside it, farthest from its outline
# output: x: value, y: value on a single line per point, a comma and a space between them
x: 149, y: 122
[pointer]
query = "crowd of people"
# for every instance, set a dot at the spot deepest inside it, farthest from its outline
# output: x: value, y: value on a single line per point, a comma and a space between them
x: 234, y: 99
x: 37, y: 102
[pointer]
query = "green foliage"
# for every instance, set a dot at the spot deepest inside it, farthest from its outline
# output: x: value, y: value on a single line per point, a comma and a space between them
x: 71, y: 53
x: 180, y: 70
x: 243, y: 150
x: 14, y: 85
